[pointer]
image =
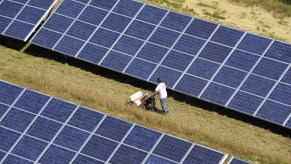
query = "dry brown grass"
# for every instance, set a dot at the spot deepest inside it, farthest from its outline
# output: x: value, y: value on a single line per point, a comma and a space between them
x: 189, y: 122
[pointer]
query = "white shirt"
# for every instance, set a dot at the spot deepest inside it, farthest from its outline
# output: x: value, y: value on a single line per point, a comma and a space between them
x: 161, y: 89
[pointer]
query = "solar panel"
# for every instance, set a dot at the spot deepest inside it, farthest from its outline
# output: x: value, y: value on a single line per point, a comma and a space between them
x: 84, y: 136
x: 19, y: 19
x: 235, y: 160
x: 219, y: 64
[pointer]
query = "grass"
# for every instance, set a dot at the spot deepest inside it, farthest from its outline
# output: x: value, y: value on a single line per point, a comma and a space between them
x: 190, y: 122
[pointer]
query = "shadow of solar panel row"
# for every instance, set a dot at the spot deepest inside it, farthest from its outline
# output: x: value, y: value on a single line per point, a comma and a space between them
x: 35, y: 127
x: 248, y: 73
x: 19, y: 18
x: 235, y: 160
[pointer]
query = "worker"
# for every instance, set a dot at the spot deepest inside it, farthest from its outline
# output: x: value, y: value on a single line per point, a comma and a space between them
x: 162, y: 92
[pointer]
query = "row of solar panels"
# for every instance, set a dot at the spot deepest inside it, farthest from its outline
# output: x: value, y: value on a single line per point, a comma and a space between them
x: 238, y: 70
x: 35, y: 127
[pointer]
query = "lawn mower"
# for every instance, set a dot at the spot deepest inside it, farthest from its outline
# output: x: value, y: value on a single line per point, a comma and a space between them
x: 145, y: 101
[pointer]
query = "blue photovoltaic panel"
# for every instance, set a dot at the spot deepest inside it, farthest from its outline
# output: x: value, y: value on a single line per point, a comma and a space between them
x: 191, y: 85
x: 92, y: 53
x: 287, y: 77
x: 151, y: 14
x: 92, y: 15
x: 31, y: 101
x: 17, y: 120
x: 81, y: 159
x: 152, y: 52
x: 158, y: 160
x: 69, y: 45
x: 15, y: 159
x: 164, y: 37
x: 113, y: 128
x: 280, y: 51
x: 116, y: 22
x: 257, y: 85
x: 2, y: 154
x: 203, y: 68
x: 8, y: 92
x: 227, y: 36
x: 44, y: 129
x: 140, y: 29
x: 71, y: 138
x: 85, y: 119
x: 29, y: 148
x: 142, y: 138
x: 25, y: 18
x: 126, y: 154
x: 128, y: 45
x: 176, y: 21
x: 104, y: 4
x: 255, y: 44
x: 172, y: 148
x: 200, y: 154
x: 55, y: 154
x: 282, y: 93
x: 288, y: 123
x: 86, y: 136
x: 104, y: 37
x: 229, y: 76
x: 115, y: 60
x: 58, y: 23
x: 201, y: 29
x: 140, y: 68
x: 270, y: 68
x: 217, y: 93
x: 128, y: 8
x: 189, y: 44
x: 99, y: 148
x: 169, y: 76
x: 147, y: 42
x: 3, y: 109
x: 81, y: 30
x: 177, y: 60
x: 242, y: 60
x: 8, y: 138
x: 245, y: 103
x: 215, y: 52
x: 58, y: 110
x: 235, y: 160
x: 274, y: 112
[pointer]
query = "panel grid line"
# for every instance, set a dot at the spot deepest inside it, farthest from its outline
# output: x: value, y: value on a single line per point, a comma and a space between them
x: 170, y: 49
x: 21, y: 93
x: 56, y: 135
x: 75, y: 19
x: 153, y: 148
x: 248, y: 74
x: 26, y: 129
x: 197, y: 54
x: 145, y: 42
x: 98, y: 26
x: 221, y: 65
x: 187, y: 153
x: 39, y: 21
x: 120, y: 143
x: 88, y: 138
x: 287, y: 119
x: 122, y: 33
x: 230, y: 160
x: 15, y: 17
x: 272, y: 89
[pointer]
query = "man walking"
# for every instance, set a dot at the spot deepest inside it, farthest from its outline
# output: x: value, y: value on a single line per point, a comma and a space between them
x: 161, y: 90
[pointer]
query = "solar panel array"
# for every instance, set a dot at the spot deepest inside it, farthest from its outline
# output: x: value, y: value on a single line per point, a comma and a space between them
x: 235, y: 69
x: 235, y: 160
x: 19, y: 18
x: 35, y: 127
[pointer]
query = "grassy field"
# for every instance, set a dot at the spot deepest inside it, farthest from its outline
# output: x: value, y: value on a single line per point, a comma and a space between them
x: 193, y: 120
